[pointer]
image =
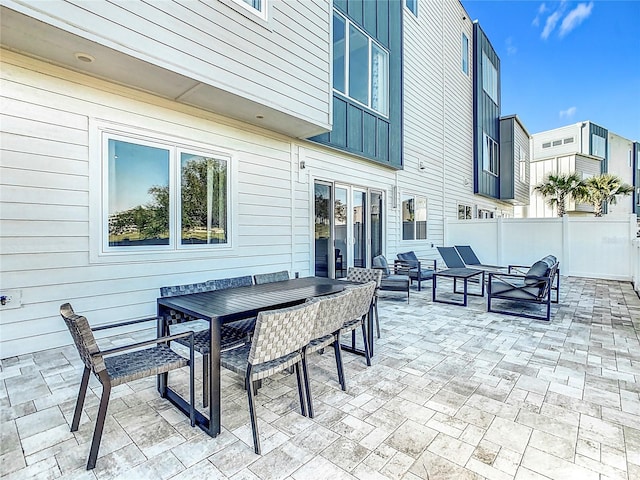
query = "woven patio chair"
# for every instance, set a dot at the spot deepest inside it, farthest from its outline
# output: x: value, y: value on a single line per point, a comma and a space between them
x: 243, y: 327
x: 113, y: 367
x: 262, y: 278
x: 332, y: 313
x: 364, y: 275
x: 229, y: 337
x: 277, y: 344
x: 360, y: 301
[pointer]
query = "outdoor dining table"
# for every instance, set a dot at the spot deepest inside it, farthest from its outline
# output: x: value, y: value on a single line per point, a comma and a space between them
x: 223, y: 306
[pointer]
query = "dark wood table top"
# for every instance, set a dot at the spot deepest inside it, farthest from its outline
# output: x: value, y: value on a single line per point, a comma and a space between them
x: 459, y: 272
x: 241, y: 302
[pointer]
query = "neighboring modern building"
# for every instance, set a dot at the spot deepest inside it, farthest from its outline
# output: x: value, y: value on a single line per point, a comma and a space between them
x: 588, y: 149
x: 162, y: 143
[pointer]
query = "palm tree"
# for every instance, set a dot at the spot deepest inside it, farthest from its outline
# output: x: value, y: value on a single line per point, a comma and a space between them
x: 558, y: 186
x: 603, y: 189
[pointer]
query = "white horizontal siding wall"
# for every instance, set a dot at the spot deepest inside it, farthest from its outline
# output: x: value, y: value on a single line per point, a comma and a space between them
x: 438, y: 118
x: 47, y: 230
x: 217, y: 43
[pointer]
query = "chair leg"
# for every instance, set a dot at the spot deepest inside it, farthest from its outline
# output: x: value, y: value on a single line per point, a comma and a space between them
x: 375, y: 310
x: 97, y: 433
x: 340, y: 367
x: 307, y: 385
x: 301, y: 390
x: 366, y: 343
x: 252, y: 414
x: 82, y: 393
x: 205, y: 381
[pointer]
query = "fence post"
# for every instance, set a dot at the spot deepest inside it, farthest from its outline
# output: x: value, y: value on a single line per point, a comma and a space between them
x: 499, y: 232
x: 566, y: 246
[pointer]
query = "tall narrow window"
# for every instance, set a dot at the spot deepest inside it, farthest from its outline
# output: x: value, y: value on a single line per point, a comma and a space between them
x: 339, y: 53
x: 523, y: 165
x: 203, y: 199
x: 414, y: 217
x: 412, y: 5
x: 360, y: 66
x: 489, y: 78
x: 490, y: 155
x: 465, y: 54
x: 598, y: 146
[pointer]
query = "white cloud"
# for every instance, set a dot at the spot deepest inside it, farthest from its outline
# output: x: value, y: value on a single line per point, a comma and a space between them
x: 575, y: 17
x: 511, y: 48
x: 550, y: 24
x: 541, y: 9
x: 568, y: 113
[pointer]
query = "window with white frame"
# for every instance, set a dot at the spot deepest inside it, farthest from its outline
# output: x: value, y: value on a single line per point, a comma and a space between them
x: 598, y: 145
x: 465, y: 54
x: 414, y: 217
x: 257, y: 7
x: 465, y: 212
x: 360, y: 66
x: 484, y: 213
x: 162, y: 196
x: 490, y: 155
x: 412, y: 5
x: 522, y: 164
x: 489, y: 78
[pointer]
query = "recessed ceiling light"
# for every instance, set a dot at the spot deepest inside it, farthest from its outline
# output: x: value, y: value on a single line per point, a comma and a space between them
x: 259, y: 117
x: 84, y: 57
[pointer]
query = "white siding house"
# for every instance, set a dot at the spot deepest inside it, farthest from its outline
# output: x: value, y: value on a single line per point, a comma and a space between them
x: 237, y: 92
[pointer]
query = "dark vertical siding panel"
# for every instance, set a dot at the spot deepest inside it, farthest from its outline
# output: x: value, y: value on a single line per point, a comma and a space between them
x: 383, y: 22
x: 355, y: 8
x: 370, y: 130
x: 338, y: 136
x: 354, y: 128
x: 370, y: 17
x: 383, y: 144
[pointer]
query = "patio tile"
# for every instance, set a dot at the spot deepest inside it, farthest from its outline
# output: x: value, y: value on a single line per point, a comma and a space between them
x: 453, y: 393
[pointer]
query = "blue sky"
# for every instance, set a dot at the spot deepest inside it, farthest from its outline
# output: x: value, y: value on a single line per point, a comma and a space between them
x: 564, y: 61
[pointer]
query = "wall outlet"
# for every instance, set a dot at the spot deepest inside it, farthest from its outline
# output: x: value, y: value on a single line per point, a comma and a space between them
x: 10, y: 299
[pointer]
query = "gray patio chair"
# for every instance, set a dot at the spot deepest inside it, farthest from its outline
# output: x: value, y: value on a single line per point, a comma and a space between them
x: 419, y: 270
x: 277, y: 344
x: 451, y: 257
x: 332, y: 313
x: 391, y: 281
x: 364, y: 275
x: 262, y: 278
x: 471, y: 260
x: 114, y: 367
x: 229, y: 337
x: 550, y: 260
x: 360, y: 301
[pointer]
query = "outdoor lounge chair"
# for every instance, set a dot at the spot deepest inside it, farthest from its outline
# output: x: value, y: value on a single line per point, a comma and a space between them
x: 451, y: 257
x: 550, y: 260
x: 408, y: 264
x: 534, y: 286
x: 391, y: 281
x: 119, y: 365
x: 472, y: 261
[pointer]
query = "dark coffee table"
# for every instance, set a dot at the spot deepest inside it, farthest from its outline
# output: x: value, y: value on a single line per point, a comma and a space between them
x: 459, y: 273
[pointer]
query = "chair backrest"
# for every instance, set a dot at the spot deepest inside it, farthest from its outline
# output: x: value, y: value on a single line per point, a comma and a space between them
x: 332, y: 313
x: 410, y: 258
x: 224, y: 283
x: 451, y: 257
x: 261, y: 278
x: 175, y: 290
x: 361, y: 298
x: 468, y: 255
x: 364, y: 275
x: 282, y: 331
x: 83, y: 338
x: 174, y: 316
x: 380, y: 263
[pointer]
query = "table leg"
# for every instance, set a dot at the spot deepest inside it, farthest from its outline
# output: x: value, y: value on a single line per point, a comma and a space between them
x: 161, y: 380
x: 214, y: 379
x: 464, y: 302
x: 433, y: 288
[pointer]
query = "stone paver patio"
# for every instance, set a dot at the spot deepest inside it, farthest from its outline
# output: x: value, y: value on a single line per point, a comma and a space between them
x: 453, y: 393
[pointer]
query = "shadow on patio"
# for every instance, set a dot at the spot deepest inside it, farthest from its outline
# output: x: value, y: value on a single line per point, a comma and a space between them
x: 453, y: 392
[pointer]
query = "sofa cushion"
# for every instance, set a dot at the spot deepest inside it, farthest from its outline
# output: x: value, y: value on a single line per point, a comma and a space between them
x: 410, y: 258
x: 550, y: 260
x: 538, y: 269
x: 380, y: 262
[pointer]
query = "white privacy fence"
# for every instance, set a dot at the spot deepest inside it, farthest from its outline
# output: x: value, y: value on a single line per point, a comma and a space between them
x: 585, y: 246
